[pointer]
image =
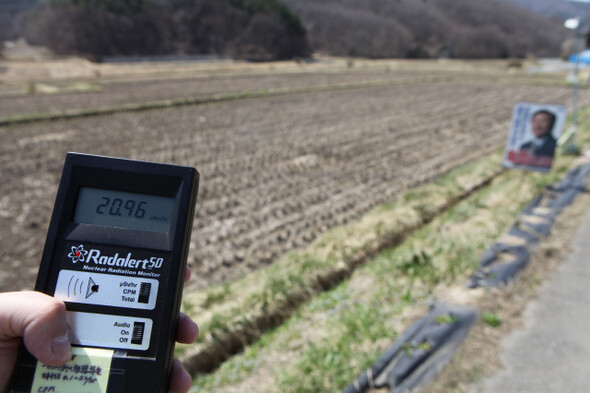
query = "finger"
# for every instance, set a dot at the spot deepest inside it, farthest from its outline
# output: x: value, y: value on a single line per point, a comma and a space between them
x: 41, y: 321
x: 180, y: 379
x: 188, y: 331
x: 187, y: 274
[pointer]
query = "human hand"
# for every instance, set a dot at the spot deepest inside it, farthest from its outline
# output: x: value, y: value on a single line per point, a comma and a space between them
x: 41, y: 321
x: 188, y: 331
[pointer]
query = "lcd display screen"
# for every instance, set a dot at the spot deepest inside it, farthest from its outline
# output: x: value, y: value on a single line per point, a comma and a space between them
x: 125, y: 210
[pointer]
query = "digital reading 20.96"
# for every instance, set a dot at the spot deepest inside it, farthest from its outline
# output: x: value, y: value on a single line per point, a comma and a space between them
x: 116, y: 255
x: 123, y: 209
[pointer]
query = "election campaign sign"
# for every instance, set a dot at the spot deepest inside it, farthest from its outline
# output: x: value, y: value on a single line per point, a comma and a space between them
x: 533, y: 136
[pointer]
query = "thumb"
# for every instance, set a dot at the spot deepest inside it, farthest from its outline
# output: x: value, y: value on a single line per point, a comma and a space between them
x: 41, y: 321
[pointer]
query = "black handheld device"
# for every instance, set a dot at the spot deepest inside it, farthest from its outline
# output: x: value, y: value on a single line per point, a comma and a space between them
x: 116, y: 254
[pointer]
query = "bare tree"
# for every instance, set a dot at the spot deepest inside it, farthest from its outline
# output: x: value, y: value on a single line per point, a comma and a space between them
x: 479, y: 43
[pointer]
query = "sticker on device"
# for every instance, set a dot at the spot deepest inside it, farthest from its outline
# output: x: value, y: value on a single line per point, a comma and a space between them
x: 87, y: 372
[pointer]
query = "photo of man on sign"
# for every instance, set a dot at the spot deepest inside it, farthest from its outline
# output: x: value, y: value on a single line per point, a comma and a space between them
x: 533, y: 136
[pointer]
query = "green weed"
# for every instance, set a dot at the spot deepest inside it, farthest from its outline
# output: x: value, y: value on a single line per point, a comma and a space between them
x: 491, y: 319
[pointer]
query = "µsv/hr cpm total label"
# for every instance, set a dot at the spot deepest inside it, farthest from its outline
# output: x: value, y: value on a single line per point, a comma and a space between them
x: 106, y: 290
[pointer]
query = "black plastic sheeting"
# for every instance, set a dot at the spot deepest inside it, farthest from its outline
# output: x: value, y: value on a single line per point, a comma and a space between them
x: 501, y: 263
x: 421, y: 352
x: 492, y: 273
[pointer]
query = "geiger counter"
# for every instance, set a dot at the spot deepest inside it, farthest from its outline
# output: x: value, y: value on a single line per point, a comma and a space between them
x: 116, y: 254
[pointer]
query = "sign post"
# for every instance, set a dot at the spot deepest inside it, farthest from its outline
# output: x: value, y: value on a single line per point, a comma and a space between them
x: 568, y: 140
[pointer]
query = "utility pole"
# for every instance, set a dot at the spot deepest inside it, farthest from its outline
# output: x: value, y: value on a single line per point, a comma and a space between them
x: 568, y: 139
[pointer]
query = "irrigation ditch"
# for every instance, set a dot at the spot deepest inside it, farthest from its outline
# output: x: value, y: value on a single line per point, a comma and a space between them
x: 210, y: 99
x: 229, y: 332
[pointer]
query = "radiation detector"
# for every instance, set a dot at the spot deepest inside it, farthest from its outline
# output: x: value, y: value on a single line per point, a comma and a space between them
x: 116, y: 254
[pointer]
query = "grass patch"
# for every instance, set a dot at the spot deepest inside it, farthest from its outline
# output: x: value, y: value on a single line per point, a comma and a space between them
x: 445, y: 319
x: 491, y: 319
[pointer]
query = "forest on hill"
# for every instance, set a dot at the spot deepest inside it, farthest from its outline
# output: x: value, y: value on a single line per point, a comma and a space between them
x: 243, y: 29
x: 266, y: 30
x: 428, y: 28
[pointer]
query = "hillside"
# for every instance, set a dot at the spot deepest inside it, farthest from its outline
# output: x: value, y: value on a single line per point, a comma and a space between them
x: 265, y: 30
x: 430, y: 28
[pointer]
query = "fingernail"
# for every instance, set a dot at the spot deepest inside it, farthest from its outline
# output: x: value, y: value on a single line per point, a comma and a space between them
x: 61, y: 347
